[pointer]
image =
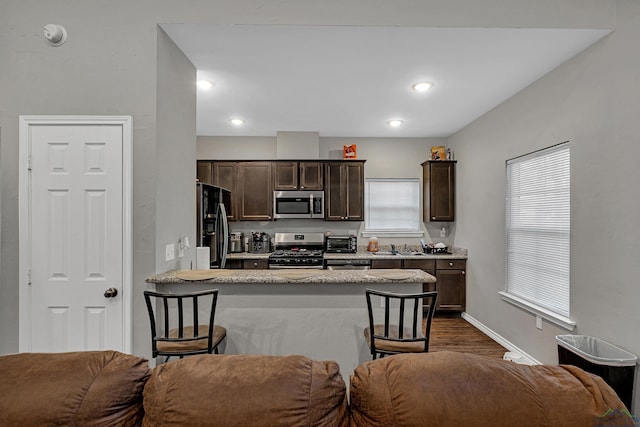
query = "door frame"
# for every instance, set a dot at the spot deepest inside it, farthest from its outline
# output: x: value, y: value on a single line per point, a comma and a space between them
x: 24, y: 212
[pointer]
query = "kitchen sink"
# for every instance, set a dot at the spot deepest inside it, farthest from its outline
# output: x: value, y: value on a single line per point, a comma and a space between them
x: 399, y: 253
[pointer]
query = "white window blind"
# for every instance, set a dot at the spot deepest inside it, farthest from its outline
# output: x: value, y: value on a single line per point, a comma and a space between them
x: 392, y: 205
x: 538, y: 228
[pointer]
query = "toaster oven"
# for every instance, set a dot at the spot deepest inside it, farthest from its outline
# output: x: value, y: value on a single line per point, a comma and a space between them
x: 341, y: 244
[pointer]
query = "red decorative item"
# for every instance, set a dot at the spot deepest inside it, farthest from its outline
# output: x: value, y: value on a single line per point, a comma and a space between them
x: 349, y: 151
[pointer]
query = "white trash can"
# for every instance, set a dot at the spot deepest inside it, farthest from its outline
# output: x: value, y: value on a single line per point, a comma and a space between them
x: 615, y: 365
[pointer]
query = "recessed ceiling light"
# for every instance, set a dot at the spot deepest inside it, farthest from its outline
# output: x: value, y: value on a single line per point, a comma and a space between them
x: 236, y: 122
x: 422, y: 86
x: 204, y: 84
x: 395, y: 123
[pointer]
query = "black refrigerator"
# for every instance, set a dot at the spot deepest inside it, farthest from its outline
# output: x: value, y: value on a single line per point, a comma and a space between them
x: 212, y: 226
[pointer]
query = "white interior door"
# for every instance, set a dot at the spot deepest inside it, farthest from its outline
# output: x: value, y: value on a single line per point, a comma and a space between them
x: 77, y: 238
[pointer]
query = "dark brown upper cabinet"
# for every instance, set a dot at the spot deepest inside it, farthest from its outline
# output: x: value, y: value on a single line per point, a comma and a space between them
x: 290, y: 175
x: 439, y: 186
x: 255, y: 191
x: 344, y: 191
x: 204, y: 171
x: 225, y: 175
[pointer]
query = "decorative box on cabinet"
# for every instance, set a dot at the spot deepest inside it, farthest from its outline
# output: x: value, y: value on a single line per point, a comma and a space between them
x: 438, y: 178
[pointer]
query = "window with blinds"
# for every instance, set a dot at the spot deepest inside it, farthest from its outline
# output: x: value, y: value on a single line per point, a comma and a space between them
x: 392, y: 206
x: 538, y: 229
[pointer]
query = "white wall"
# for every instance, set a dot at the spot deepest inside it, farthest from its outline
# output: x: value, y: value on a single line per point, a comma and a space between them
x: 592, y: 101
x: 176, y: 150
x: 106, y: 67
x: 236, y: 147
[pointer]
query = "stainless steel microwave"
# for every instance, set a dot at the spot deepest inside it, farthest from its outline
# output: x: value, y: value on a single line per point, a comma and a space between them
x: 298, y: 204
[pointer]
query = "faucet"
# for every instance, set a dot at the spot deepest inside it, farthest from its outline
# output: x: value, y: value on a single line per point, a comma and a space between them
x: 393, y: 249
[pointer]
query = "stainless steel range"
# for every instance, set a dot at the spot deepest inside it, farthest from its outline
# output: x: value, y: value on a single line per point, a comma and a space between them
x: 297, y: 250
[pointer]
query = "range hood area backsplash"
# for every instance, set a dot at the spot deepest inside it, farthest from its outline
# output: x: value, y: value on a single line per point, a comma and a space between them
x: 336, y: 227
x: 297, y: 145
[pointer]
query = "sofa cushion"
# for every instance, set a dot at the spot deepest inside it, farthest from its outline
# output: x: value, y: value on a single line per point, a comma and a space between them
x: 246, y: 390
x: 454, y: 389
x: 101, y: 388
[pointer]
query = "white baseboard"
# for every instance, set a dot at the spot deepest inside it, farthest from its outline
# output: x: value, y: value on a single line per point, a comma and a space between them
x: 500, y: 339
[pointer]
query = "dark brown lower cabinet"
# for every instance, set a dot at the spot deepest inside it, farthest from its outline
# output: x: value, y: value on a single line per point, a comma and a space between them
x: 450, y: 279
x: 248, y: 264
x: 451, y: 283
x: 386, y: 263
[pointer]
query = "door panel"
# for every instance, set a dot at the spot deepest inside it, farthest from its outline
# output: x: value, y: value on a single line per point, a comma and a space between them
x: 76, y: 237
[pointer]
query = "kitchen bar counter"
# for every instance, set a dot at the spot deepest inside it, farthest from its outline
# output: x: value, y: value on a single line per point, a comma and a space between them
x: 317, y: 313
x: 296, y: 276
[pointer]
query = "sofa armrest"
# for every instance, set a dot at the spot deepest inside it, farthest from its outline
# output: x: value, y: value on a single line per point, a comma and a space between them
x: 447, y: 389
x: 100, y: 388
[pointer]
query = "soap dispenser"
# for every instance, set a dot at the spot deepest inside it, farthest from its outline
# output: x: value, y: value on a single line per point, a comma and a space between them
x: 373, y: 244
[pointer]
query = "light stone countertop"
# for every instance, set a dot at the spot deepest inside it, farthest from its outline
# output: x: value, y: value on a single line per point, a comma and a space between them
x: 457, y: 253
x: 296, y: 276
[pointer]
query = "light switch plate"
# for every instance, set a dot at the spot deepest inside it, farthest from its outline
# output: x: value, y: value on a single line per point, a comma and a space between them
x: 170, y: 252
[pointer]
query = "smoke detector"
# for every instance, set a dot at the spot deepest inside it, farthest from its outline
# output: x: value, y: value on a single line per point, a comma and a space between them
x: 55, y: 34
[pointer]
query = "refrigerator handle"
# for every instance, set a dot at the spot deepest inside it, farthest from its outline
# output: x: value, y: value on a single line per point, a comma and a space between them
x: 222, y: 217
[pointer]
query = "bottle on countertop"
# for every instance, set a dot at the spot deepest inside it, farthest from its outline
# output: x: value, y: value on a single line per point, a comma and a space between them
x: 373, y: 244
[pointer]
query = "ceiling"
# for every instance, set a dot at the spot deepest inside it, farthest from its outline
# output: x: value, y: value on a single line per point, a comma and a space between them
x: 349, y: 81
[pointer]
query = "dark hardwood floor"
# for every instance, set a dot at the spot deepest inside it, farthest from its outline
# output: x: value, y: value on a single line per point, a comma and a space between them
x: 456, y: 334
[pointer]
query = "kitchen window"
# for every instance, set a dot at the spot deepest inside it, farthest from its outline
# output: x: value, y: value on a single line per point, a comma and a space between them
x: 392, y: 207
x: 538, y: 225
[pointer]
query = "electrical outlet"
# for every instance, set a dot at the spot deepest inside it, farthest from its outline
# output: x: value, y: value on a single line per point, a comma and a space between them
x: 180, y: 249
x: 170, y: 252
x: 539, y: 322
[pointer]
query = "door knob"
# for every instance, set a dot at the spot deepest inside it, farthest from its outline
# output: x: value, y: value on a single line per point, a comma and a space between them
x: 110, y: 293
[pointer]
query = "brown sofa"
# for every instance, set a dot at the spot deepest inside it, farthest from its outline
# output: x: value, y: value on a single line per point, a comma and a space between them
x: 436, y: 389
x: 447, y: 389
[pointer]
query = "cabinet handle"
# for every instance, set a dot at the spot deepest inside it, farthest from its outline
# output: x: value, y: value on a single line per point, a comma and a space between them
x: 450, y: 264
x: 462, y: 272
x: 302, y: 187
x: 255, y: 264
x: 433, y: 217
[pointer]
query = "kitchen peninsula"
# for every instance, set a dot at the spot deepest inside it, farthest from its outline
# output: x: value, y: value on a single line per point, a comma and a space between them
x: 317, y: 313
